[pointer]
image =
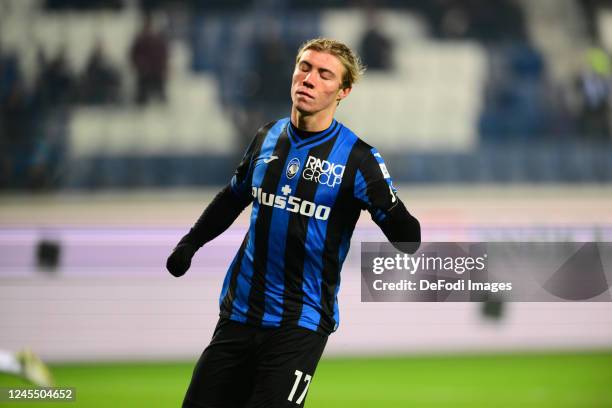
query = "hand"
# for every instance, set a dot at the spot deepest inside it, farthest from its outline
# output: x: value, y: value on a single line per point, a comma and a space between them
x: 179, y: 260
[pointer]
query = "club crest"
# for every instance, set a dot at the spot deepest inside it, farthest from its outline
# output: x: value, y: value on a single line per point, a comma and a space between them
x: 293, y: 167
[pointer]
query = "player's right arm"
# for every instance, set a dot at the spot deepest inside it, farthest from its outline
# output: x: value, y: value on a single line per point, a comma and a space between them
x: 219, y: 214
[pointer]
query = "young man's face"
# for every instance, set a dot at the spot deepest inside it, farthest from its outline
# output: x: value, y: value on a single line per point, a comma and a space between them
x: 316, y: 84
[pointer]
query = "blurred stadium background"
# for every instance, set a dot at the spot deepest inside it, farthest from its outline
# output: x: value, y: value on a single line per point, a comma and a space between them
x: 120, y: 119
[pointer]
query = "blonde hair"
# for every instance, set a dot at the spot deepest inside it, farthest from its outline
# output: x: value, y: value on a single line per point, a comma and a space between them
x: 353, y: 67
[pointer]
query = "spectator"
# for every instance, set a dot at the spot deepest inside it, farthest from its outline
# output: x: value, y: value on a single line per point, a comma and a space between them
x: 100, y: 82
x: 265, y: 90
x: 271, y: 51
x: 16, y: 123
x: 594, y: 84
x: 149, y: 56
x: 37, y: 122
x: 56, y: 83
x: 17, y: 137
x: 9, y: 73
x: 9, y: 77
x: 376, y: 49
x: 482, y: 20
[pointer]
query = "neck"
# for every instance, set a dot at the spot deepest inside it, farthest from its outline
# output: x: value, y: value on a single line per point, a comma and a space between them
x: 311, y: 123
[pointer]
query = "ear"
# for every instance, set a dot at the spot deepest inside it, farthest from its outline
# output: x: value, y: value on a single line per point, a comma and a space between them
x: 343, y: 93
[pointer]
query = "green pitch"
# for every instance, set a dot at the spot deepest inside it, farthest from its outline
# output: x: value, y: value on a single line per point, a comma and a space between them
x: 527, y: 380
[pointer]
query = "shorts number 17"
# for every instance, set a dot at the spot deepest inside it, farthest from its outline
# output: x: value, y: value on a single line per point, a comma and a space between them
x: 298, y: 378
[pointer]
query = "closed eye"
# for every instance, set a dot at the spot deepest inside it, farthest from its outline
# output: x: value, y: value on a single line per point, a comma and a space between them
x: 324, y: 73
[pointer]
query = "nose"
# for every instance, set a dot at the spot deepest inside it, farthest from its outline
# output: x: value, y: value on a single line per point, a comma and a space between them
x: 307, y: 82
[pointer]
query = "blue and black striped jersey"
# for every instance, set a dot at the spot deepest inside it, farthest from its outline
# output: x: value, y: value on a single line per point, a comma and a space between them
x: 307, y: 195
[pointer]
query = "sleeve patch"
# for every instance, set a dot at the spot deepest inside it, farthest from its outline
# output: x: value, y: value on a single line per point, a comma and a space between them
x: 385, y: 173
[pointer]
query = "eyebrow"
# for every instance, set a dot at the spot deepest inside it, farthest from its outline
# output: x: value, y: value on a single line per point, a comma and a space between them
x: 320, y: 69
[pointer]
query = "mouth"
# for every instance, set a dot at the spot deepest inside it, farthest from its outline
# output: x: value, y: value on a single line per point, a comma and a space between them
x: 304, y: 94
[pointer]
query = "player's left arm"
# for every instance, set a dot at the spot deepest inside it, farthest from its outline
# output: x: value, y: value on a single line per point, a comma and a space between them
x: 374, y: 188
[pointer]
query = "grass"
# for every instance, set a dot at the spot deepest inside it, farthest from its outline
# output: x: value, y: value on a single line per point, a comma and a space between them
x: 527, y: 380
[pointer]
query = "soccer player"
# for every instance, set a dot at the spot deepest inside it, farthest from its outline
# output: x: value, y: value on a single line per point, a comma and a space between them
x: 27, y: 365
x: 308, y: 177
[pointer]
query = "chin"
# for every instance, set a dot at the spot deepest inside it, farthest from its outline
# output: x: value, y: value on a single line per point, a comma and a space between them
x: 304, y: 110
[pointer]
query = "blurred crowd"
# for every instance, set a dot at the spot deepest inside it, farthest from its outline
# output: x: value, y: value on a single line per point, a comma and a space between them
x: 520, y: 101
x: 30, y: 145
x: 33, y: 118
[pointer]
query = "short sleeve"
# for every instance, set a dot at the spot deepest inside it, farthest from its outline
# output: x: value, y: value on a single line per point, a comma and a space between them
x: 241, y: 181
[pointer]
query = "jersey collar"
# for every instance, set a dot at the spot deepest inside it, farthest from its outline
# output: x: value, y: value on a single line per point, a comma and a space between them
x: 316, y: 138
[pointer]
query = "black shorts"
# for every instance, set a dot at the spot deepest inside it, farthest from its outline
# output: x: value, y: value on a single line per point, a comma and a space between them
x: 249, y: 366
